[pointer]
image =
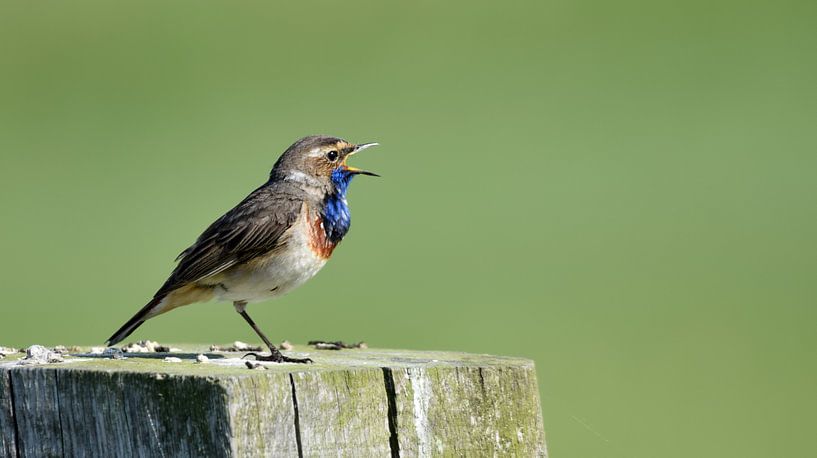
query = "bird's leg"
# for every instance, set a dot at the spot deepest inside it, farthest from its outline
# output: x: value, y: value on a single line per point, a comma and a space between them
x: 275, y: 355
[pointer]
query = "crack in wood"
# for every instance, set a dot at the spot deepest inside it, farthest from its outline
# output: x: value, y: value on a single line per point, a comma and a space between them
x: 59, y: 409
x: 297, y: 419
x: 391, y: 397
x: 16, y: 444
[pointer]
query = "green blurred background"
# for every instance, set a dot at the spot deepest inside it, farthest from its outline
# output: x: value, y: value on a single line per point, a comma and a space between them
x: 623, y: 191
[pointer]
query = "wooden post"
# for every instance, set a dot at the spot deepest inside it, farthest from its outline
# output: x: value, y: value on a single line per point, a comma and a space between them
x: 348, y: 403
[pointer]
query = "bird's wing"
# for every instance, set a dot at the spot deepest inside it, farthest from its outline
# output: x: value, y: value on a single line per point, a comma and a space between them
x: 252, y: 228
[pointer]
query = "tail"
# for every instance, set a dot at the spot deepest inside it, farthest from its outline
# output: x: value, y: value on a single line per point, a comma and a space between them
x: 141, y: 316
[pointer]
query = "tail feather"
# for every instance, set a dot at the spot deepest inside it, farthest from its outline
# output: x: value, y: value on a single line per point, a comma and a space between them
x: 141, y: 316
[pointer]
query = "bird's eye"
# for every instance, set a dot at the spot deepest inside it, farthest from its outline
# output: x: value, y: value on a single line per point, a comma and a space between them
x: 332, y: 156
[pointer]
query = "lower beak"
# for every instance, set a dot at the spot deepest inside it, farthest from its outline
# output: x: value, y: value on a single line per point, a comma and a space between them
x: 355, y: 170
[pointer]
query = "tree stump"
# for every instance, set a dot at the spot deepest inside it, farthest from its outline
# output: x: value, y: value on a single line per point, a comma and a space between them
x: 348, y: 403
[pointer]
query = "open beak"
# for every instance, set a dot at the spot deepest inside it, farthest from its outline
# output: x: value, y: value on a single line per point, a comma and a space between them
x: 355, y: 170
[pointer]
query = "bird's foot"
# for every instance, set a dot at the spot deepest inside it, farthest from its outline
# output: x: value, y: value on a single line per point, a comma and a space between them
x: 277, y: 357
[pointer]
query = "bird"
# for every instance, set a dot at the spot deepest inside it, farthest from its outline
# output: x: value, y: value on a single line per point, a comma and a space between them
x: 272, y: 242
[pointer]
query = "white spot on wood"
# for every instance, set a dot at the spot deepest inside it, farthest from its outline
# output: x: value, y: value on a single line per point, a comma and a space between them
x: 421, y: 398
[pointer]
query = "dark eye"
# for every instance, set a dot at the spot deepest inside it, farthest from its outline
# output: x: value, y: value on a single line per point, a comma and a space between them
x: 332, y: 156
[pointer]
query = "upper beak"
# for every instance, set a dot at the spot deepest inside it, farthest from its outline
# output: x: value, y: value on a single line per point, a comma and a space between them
x: 356, y: 170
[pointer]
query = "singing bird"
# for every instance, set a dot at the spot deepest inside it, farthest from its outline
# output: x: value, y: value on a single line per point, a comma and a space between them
x: 276, y: 239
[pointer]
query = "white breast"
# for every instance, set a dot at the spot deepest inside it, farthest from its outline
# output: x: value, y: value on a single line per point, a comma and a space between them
x: 288, y: 267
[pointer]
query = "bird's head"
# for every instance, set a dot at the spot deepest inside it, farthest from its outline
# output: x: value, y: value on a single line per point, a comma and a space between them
x: 320, y: 160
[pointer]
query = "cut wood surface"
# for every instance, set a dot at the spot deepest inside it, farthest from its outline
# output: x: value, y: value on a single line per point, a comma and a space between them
x: 361, y: 402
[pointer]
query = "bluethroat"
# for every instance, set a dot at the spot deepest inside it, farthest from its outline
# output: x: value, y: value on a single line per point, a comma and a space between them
x: 276, y: 239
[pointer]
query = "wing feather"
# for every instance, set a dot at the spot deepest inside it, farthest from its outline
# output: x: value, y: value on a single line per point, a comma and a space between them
x: 254, y: 227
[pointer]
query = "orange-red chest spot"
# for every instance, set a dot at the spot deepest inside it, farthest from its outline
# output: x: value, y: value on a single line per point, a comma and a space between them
x: 319, y: 243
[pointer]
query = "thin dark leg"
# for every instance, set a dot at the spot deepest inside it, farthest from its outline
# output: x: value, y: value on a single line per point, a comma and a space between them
x: 275, y: 355
x: 258, y: 331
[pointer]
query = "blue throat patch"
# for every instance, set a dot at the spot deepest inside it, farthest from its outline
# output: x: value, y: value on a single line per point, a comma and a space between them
x: 336, y: 216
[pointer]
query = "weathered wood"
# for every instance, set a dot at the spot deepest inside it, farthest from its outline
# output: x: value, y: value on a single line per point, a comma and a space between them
x: 262, y: 414
x: 8, y: 445
x: 37, y: 417
x: 467, y: 411
x: 349, y: 403
x: 342, y: 412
